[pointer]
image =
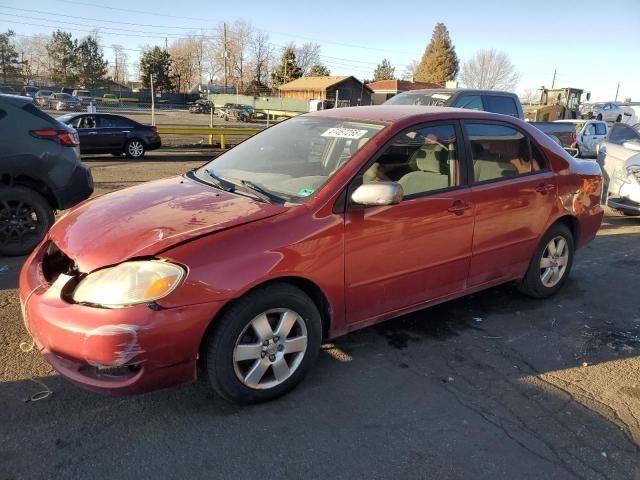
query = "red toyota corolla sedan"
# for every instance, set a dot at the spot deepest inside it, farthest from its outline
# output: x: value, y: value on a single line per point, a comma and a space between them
x: 320, y: 225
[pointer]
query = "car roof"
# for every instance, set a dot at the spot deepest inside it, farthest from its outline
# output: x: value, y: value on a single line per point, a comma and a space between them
x: 456, y: 90
x: 16, y: 100
x: 396, y: 113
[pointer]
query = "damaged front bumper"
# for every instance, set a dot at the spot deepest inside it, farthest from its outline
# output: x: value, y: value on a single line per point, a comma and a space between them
x: 624, y: 189
x: 126, y: 350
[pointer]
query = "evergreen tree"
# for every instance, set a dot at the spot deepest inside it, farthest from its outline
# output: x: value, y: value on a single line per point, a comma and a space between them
x: 156, y: 62
x: 9, y: 64
x: 91, y: 64
x: 61, y: 50
x: 287, y: 70
x: 439, y: 62
x: 318, y: 70
x: 384, y: 71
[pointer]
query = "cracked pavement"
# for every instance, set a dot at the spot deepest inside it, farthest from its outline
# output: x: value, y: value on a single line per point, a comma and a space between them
x: 491, y: 386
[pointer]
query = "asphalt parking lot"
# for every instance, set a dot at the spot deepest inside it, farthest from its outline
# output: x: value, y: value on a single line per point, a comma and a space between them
x: 490, y: 386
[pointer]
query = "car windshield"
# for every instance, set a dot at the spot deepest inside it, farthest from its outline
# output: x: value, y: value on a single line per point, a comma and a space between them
x: 621, y: 133
x: 431, y: 99
x: 44, y: 93
x: 63, y: 95
x: 293, y: 159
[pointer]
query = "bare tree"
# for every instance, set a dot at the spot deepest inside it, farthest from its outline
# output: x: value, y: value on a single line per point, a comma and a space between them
x: 490, y: 70
x: 530, y: 96
x: 261, y: 53
x: 410, y: 70
x: 183, y: 53
x: 119, y: 71
x: 239, y: 41
x: 307, y: 56
x: 33, y: 53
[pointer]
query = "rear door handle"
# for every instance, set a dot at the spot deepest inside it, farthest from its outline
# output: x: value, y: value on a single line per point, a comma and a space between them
x: 458, y: 207
x: 545, y: 188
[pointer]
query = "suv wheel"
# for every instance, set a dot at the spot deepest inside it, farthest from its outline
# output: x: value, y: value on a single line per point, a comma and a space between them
x: 25, y: 218
x: 263, y: 345
x: 134, y: 148
x: 599, y: 117
x: 619, y: 119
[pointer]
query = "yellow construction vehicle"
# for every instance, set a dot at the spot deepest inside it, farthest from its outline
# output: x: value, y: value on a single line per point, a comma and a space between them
x: 556, y: 104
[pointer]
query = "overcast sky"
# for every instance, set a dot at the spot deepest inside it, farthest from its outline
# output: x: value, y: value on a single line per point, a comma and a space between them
x: 592, y: 44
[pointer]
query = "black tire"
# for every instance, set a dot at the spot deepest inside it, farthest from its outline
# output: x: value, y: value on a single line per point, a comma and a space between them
x: 599, y: 117
x: 531, y: 284
x: 20, y: 234
x: 619, y: 119
x: 219, y: 344
x: 134, y: 148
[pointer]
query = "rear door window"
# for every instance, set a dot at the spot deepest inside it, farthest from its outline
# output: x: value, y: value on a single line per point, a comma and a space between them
x: 601, y: 129
x: 116, y: 122
x: 501, y: 104
x: 470, y: 102
x: 500, y: 152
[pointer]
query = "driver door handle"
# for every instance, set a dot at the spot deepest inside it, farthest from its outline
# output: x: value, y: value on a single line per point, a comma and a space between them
x: 458, y: 207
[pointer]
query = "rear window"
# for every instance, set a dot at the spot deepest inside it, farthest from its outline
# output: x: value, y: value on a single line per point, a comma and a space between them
x: 33, y: 110
x: 501, y: 104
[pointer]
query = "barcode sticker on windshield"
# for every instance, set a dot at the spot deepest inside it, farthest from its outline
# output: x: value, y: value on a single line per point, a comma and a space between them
x: 353, y: 133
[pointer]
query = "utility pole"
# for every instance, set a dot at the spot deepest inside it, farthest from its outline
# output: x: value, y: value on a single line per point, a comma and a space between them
x: 166, y: 47
x: 617, y: 90
x: 553, y: 82
x: 153, y: 102
x: 224, y: 26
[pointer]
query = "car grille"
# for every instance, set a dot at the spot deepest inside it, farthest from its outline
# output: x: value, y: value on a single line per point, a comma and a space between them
x: 56, y: 263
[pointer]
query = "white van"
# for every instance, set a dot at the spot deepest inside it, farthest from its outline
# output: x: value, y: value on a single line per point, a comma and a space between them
x: 589, y: 134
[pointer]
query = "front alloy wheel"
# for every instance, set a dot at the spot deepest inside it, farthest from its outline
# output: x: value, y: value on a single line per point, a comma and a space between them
x: 263, y: 344
x: 270, y: 348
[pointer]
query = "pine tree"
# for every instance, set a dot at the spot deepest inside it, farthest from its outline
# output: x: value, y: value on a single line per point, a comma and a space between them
x: 287, y: 70
x: 156, y: 62
x: 91, y: 65
x: 439, y: 62
x: 9, y: 64
x: 318, y: 70
x: 384, y: 71
x: 61, y: 50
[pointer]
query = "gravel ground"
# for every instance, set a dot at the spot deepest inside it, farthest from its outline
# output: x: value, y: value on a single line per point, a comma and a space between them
x: 490, y: 386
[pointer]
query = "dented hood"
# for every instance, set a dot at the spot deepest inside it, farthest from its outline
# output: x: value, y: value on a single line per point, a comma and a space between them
x: 150, y: 218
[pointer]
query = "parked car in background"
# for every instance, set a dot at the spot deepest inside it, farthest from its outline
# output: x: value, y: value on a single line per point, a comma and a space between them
x: 505, y: 103
x: 246, y: 265
x: 42, y: 98
x: 607, y: 111
x: 201, y: 106
x: 115, y: 134
x: 7, y: 90
x: 29, y: 91
x: 64, y: 101
x: 84, y: 96
x: 588, y: 135
x: 619, y: 157
x: 40, y: 170
x: 237, y: 111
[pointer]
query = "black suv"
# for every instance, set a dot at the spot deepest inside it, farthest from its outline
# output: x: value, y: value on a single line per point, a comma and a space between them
x: 40, y: 170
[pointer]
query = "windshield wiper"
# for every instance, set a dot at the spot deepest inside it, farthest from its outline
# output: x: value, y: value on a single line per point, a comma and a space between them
x: 264, y: 194
x: 220, y: 182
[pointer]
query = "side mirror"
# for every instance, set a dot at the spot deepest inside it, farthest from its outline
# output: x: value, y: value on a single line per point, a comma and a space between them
x: 378, y: 193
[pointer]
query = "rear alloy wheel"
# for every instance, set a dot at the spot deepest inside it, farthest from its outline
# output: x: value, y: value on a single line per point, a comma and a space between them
x: 263, y: 345
x: 599, y: 117
x: 134, y: 148
x: 25, y: 218
x: 619, y: 119
x: 551, y: 263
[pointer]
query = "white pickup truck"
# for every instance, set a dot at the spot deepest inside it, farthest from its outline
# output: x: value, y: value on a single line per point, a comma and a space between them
x: 589, y: 134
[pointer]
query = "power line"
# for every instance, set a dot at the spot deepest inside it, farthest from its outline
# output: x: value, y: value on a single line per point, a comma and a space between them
x: 287, y: 34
